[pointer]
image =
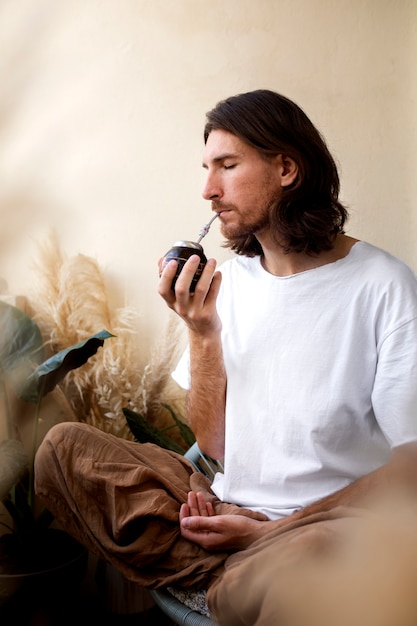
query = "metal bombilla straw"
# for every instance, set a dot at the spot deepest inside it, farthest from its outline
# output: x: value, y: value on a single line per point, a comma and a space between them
x: 203, y: 232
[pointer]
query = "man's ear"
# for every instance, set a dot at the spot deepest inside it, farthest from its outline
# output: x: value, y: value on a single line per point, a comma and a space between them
x: 288, y: 169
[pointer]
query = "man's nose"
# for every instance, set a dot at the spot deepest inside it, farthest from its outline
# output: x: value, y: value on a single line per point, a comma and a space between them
x: 211, y: 189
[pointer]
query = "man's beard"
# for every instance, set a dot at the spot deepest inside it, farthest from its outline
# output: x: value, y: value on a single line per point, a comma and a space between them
x: 247, y: 227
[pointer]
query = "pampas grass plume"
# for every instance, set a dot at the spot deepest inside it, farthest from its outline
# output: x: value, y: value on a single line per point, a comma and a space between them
x: 72, y: 304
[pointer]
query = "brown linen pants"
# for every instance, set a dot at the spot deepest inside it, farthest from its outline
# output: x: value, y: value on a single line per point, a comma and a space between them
x: 348, y: 567
x: 121, y: 500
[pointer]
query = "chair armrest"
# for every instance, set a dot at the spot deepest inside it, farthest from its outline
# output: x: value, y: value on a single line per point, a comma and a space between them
x: 202, y: 462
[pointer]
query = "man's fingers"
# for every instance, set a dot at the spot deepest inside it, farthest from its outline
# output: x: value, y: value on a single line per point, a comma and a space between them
x: 193, y: 503
x: 198, y: 523
x: 205, y: 508
x: 166, y: 276
x: 197, y: 504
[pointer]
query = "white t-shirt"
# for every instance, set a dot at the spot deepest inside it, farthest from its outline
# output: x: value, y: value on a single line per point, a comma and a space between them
x: 321, y: 376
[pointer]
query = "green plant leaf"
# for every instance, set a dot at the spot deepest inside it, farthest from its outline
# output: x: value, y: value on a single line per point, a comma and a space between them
x: 19, y: 509
x: 48, y: 374
x: 185, y: 431
x: 21, y: 345
x: 144, y: 432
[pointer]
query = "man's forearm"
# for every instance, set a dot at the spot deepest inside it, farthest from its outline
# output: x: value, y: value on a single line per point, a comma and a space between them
x: 207, y: 395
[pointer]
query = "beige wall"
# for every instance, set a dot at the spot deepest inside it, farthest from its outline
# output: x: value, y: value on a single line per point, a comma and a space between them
x: 102, y: 106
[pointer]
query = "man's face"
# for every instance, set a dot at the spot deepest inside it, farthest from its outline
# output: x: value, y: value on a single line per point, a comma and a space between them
x: 241, y: 184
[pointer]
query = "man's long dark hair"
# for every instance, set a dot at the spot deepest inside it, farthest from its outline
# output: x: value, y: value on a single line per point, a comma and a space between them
x: 308, y: 215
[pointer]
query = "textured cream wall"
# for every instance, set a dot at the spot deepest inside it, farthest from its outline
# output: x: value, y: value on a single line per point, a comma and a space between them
x: 102, y: 106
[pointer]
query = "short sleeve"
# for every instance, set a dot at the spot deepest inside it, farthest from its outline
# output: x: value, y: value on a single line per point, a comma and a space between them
x: 395, y: 391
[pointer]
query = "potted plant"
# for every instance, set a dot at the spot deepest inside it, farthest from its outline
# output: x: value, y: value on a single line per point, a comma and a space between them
x: 122, y: 391
x: 29, y: 544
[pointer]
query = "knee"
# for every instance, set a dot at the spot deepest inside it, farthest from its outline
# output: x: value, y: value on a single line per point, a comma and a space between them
x: 57, y: 442
x: 56, y: 435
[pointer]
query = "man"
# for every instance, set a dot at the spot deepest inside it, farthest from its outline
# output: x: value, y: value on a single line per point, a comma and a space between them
x: 301, y: 366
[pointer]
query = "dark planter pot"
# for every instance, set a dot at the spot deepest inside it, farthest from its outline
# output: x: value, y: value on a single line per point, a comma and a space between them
x: 48, y: 575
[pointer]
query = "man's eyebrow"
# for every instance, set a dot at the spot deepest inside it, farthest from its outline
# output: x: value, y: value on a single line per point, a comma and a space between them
x: 222, y: 157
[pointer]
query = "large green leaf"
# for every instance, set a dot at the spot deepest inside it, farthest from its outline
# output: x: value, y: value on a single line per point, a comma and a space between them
x: 144, y: 432
x: 185, y: 431
x: 47, y: 375
x: 21, y: 345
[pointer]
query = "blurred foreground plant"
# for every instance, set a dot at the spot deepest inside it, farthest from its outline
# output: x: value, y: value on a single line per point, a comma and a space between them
x: 24, y: 371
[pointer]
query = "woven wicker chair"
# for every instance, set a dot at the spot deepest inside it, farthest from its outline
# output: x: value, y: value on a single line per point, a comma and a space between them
x: 181, y: 613
x: 178, y: 612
